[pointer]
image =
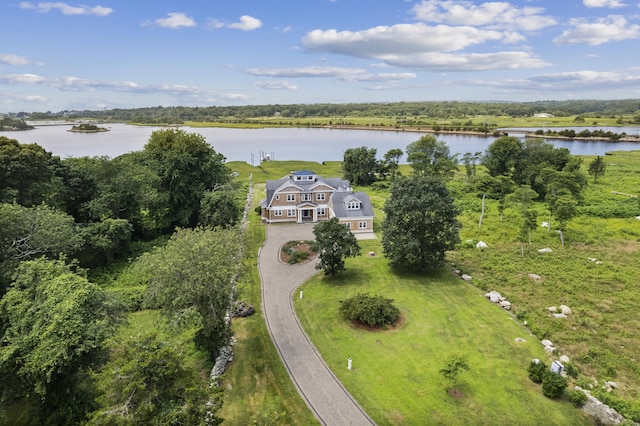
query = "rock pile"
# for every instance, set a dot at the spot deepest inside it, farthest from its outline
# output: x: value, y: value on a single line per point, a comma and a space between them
x: 241, y: 309
x: 496, y: 297
x: 563, y: 311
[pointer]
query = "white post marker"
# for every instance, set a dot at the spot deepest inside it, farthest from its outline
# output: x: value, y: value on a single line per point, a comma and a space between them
x: 300, y: 294
x: 349, y: 364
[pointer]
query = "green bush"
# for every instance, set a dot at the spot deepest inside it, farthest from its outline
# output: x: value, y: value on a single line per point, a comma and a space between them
x: 374, y: 311
x: 553, y: 385
x: 571, y: 370
x: 578, y: 397
x: 536, y: 371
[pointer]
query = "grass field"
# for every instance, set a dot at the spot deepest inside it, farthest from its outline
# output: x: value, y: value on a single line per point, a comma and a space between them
x: 395, y: 375
x: 423, y: 121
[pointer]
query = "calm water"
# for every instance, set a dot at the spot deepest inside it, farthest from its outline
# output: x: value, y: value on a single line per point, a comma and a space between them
x: 281, y: 144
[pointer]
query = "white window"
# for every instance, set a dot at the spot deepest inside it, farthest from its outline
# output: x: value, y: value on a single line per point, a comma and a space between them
x: 353, y: 205
x: 306, y: 197
x: 291, y: 197
x: 277, y: 212
x: 277, y: 197
x: 321, y: 211
x: 348, y: 225
x: 362, y: 225
x: 320, y: 196
x: 291, y: 212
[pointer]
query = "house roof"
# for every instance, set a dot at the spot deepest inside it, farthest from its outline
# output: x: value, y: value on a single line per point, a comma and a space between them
x: 340, y: 200
x: 274, y: 186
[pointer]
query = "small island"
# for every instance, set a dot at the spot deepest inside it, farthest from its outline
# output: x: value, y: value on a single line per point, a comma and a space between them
x: 87, y: 128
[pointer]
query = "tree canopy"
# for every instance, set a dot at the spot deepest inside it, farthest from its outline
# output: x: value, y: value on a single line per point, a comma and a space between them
x: 359, y: 165
x: 188, y: 167
x: 192, y: 280
x: 431, y: 157
x: 420, y: 223
x: 334, y: 243
x: 54, y: 325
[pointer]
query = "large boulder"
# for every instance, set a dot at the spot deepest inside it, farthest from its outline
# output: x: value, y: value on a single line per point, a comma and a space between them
x: 481, y: 245
x: 545, y: 250
x: 494, y: 296
x: 565, y: 309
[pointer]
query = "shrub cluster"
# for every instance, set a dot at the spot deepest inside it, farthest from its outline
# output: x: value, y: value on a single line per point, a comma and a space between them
x: 374, y: 311
x: 553, y: 385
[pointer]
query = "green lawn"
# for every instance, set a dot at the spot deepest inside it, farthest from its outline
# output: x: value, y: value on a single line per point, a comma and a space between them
x: 395, y: 375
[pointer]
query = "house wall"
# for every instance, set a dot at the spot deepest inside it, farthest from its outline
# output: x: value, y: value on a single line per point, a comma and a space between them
x: 354, y: 224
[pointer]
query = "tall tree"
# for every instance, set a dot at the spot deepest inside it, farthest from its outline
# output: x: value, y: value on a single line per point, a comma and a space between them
x: 220, y: 208
x: 566, y: 208
x: 54, y: 325
x: 27, y: 172
x: 431, y: 157
x: 523, y: 198
x: 192, y: 279
x: 597, y: 168
x: 392, y: 161
x: 334, y: 243
x: 27, y: 233
x: 420, y: 223
x: 359, y: 165
x: 188, y: 167
x: 503, y: 156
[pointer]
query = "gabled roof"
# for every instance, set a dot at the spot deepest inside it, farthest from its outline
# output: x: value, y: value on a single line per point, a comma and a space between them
x: 339, y: 203
x: 274, y: 186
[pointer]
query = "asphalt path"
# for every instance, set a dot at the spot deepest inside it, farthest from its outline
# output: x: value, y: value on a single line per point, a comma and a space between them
x: 319, y: 387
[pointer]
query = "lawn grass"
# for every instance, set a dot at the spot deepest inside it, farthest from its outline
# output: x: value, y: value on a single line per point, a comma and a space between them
x: 395, y: 375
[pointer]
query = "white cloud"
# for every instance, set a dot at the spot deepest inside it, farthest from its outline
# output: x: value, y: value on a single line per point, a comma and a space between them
x: 175, y: 20
x: 406, y: 39
x: 67, y: 9
x: 276, y: 85
x: 602, y: 30
x: 496, y: 15
x: 246, y: 23
x: 603, y: 3
x: 424, y: 47
x: 343, y: 74
x: 9, y: 59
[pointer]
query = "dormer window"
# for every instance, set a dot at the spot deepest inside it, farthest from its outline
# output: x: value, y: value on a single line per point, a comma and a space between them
x: 353, y: 205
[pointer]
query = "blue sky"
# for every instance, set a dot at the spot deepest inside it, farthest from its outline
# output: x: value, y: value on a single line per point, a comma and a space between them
x: 133, y: 53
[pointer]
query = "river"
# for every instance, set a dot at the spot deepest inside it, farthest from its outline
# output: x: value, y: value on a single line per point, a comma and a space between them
x: 250, y: 145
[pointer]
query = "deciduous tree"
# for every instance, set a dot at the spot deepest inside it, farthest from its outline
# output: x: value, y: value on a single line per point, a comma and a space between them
x: 54, y: 325
x: 430, y: 157
x: 334, y: 243
x: 188, y: 167
x: 192, y: 280
x: 359, y: 165
x: 147, y: 381
x: 420, y: 223
x: 597, y: 168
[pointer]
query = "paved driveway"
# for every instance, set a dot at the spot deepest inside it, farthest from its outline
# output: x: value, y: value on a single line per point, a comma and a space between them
x: 321, y: 390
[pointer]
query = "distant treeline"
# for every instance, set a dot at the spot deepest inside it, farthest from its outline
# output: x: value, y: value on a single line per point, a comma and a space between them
x: 438, y: 110
x: 586, y: 133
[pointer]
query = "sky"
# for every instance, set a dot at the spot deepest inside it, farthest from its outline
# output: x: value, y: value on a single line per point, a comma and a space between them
x: 68, y: 55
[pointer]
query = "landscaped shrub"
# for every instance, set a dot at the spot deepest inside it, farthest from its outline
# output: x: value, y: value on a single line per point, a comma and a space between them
x: 371, y: 310
x: 553, y: 385
x: 536, y: 371
x: 578, y: 397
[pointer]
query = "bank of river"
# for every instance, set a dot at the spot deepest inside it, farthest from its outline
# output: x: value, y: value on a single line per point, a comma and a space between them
x: 306, y: 144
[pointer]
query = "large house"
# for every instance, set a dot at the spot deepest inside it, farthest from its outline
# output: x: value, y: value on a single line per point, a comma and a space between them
x: 303, y: 196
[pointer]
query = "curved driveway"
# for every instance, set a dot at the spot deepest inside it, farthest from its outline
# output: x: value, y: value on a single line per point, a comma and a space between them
x: 321, y: 390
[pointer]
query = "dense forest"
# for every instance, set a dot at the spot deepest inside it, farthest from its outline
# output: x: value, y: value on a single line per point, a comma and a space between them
x: 438, y: 110
x: 62, y: 221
